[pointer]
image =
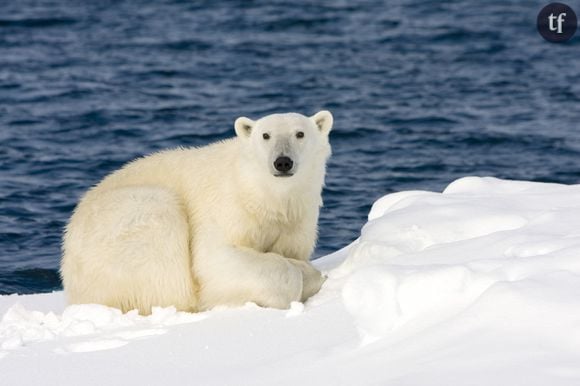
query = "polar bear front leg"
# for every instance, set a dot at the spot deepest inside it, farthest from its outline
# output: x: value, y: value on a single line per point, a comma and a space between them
x: 297, y: 245
x: 230, y: 275
x: 312, y: 278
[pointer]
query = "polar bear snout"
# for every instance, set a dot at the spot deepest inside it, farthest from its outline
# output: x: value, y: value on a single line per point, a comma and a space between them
x: 283, y: 164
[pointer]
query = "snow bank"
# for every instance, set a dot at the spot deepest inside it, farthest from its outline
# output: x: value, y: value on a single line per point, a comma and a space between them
x: 477, y: 285
x: 424, y: 257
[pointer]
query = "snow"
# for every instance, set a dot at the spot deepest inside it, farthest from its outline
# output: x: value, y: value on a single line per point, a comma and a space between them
x: 477, y: 285
x: 21, y: 327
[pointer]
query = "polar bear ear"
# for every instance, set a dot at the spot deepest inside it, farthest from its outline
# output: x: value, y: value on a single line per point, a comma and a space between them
x: 244, y: 127
x: 323, y: 120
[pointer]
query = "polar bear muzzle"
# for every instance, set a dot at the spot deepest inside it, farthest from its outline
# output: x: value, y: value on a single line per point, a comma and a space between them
x: 283, y: 165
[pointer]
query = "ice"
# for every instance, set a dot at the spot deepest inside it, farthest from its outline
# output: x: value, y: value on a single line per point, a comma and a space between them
x: 478, y: 285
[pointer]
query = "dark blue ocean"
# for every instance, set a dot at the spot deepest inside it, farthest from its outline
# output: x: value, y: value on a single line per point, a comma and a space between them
x: 422, y: 92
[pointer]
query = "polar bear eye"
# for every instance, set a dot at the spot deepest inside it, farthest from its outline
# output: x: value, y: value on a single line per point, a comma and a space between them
x: 300, y: 134
x: 266, y: 136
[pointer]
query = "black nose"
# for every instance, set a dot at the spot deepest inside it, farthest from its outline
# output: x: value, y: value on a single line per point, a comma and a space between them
x: 283, y: 164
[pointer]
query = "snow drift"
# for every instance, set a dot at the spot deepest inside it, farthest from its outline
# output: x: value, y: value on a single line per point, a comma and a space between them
x: 477, y: 285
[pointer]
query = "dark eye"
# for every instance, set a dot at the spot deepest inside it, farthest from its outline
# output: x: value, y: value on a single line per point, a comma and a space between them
x: 300, y: 134
x: 266, y: 136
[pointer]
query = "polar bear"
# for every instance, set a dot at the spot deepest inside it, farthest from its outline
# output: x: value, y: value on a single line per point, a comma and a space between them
x: 225, y: 224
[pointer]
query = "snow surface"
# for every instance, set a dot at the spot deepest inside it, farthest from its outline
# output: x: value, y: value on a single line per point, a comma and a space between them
x: 478, y: 285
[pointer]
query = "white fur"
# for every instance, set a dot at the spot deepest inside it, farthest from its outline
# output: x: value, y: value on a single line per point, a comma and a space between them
x: 196, y: 228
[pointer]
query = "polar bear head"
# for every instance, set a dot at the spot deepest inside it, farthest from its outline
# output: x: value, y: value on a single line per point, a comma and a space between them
x: 285, y: 146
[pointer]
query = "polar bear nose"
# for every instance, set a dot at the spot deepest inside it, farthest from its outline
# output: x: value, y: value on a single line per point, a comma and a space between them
x: 283, y: 164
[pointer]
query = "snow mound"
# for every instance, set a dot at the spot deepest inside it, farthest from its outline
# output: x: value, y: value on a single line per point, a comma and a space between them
x: 425, y: 257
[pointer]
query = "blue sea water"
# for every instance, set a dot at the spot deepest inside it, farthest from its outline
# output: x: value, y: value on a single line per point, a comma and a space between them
x: 422, y: 92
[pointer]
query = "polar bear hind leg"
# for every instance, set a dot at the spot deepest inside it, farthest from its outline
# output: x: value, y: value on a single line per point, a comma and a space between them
x: 129, y: 248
